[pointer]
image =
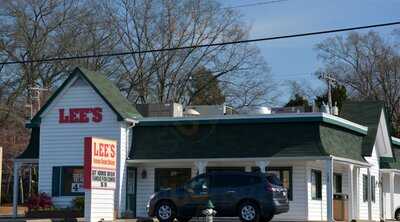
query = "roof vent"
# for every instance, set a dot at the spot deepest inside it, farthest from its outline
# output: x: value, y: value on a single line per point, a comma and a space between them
x: 262, y: 110
x: 191, y: 112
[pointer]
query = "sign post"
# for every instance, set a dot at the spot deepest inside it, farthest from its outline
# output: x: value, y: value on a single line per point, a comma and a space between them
x: 99, y: 178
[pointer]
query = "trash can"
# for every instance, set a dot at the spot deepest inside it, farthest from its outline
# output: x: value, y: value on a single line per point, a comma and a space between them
x: 340, y: 207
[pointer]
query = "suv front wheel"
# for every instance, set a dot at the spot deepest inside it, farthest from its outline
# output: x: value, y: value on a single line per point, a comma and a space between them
x: 249, y: 212
x: 165, y: 211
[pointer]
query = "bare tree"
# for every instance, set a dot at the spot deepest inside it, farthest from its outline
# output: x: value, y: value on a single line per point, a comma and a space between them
x: 368, y: 66
x: 41, y: 29
x: 165, y: 76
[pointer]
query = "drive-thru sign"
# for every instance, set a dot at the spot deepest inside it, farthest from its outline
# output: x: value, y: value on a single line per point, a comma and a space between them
x: 100, y: 160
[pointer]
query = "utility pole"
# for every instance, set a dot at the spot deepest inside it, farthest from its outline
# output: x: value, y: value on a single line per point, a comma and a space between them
x: 330, y: 80
x: 36, y: 95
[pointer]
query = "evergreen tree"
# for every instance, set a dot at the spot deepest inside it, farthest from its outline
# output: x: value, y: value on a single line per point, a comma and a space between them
x: 206, y: 89
x: 339, y: 95
x: 299, y: 100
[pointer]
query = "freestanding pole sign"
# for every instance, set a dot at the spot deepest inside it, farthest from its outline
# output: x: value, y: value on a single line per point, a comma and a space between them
x: 99, y: 178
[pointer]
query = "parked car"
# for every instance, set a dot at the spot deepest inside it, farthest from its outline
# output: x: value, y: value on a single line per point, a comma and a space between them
x: 253, y: 197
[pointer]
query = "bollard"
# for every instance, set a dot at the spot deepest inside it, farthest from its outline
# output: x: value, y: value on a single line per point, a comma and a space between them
x: 209, y: 212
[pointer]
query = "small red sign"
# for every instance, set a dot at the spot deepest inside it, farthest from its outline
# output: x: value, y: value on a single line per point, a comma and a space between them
x: 100, y: 161
x: 80, y: 115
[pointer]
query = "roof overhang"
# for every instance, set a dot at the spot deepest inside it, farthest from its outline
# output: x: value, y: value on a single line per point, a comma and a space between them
x: 390, y: 171
x: 300, y: 158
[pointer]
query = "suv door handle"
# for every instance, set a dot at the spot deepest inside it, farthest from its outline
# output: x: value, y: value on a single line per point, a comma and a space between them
x: 231, y: 192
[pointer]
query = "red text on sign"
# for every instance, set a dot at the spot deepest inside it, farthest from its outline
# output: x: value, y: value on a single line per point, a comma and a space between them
x: 80, y: 115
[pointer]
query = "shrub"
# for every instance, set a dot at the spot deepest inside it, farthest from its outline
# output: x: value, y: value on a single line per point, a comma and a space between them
x: 79, y: 203
x: 41, y: 201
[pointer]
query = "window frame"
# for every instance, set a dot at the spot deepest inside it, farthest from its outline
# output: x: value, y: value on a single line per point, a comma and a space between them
x: 157, y: 184
x: 58, y: 183
x: 318, y: 184
x: 373, y: 188
x: 335, y: 184
x: 365, y: 187
x: 281, y: 169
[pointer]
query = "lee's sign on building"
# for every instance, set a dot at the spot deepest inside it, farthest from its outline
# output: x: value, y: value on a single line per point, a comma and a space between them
x: 99, y: 163
x: 80, y: 115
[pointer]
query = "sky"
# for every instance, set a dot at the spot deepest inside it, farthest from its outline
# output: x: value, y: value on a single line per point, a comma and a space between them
x: 296, y: 58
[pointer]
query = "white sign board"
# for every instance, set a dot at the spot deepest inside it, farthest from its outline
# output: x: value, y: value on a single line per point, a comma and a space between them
x: 100, y: 160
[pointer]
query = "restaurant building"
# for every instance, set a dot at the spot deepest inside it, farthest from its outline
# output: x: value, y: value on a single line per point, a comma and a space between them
x: 316, y: 155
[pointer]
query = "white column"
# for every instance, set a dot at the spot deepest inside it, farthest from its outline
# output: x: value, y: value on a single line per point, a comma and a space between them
x: 15, y: 188
x: 356, y: 193
x: 200, y: 166
x: 391, y: 184
x: 369, y: 195
x: 329, y: 189
x: 262, y: 164
x: 351, y: 191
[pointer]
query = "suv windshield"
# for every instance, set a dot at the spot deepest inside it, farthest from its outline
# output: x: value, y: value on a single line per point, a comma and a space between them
x: 273, y: 179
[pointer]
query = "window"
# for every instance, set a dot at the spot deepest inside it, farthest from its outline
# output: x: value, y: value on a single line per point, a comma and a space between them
x: 224, y: 169
x: 337, y: 183
x: 284, y: 174
x: 316, y: 185
x: 233, y: 180
x: 67, y: 181
x: 373, y: 188
x: 198, y: 184
x: 365, y: 188
x: 171, y: 178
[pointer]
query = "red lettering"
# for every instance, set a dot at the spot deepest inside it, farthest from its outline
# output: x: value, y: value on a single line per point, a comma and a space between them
x: 62, y: 117
x: 97, y: 115
x: 96, y: 150
x: 80, y: 115
x: 73, y: 115
x: 112, y: 150
x: 83, y: 117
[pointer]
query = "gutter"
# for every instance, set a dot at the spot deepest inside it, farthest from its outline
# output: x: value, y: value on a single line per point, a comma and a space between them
x: 133, y: 121
x: 395, y: 141
x: 304, y: 158
x: 389, y: 171
x: 227, y: 159
x: 351, y: 161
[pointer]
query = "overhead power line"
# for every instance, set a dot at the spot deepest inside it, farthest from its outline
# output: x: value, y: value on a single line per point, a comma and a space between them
x: 200, y: 46
x: 255, y: 4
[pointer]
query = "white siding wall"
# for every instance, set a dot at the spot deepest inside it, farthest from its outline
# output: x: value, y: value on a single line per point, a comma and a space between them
x: 317, y: 208
x: 145, y: 188
x: 297, y: 210
x: 386, y: 195
x: 363, y: 206
x: 396, y: 197
x: 62, y: 144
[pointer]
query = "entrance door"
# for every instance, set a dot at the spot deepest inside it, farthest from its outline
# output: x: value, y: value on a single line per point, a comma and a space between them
x: 131, y: 190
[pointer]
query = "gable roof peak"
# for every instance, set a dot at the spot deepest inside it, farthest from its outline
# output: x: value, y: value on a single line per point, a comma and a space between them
x: 104, y: 87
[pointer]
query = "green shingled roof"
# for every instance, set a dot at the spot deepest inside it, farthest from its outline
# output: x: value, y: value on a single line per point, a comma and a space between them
x: 366, y: 113
x: 104, y: 87
x: 245, y: 138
